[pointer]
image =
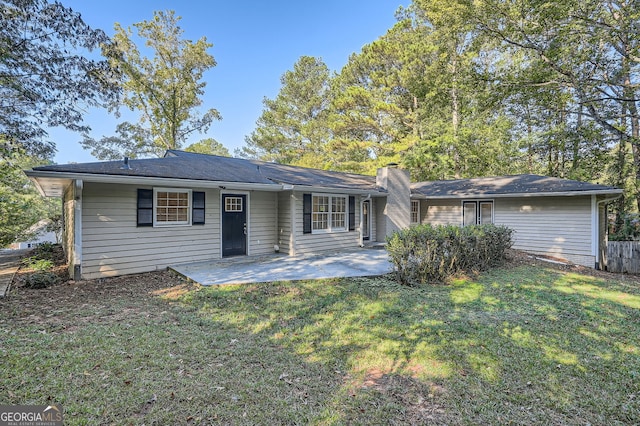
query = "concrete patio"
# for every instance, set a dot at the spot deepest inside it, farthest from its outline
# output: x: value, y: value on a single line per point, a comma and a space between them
x: 279, y: 267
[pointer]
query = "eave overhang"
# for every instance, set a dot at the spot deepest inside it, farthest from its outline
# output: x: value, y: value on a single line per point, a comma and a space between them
x: 52, y: 184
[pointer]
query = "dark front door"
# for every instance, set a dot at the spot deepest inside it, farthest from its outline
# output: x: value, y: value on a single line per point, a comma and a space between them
x: 234, y: 224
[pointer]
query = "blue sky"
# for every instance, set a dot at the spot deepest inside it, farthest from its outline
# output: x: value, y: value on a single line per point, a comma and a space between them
x: 254, y: 43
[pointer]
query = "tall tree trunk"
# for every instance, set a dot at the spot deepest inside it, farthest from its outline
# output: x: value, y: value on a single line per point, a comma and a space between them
x: 621, y: 176
x: 576, y: 143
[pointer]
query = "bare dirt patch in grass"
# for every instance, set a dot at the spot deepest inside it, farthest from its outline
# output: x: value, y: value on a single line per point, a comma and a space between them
x: 92, y: 299
x: 517, y: 258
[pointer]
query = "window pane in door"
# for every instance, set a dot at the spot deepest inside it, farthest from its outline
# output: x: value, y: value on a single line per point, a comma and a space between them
x: 469, y: 213
x: 486, y: 213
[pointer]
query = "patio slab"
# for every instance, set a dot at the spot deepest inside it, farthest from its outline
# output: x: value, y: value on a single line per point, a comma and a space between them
x: 278, y: 267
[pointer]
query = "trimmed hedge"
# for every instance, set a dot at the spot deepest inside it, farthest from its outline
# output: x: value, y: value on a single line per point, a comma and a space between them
x: 426, y: 253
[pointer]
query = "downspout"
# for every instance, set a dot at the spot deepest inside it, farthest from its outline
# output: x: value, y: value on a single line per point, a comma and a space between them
x: 292, y: 230
x: 367, y: 198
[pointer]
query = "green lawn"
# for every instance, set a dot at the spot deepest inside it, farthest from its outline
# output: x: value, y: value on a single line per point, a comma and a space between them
x: 520, y: 345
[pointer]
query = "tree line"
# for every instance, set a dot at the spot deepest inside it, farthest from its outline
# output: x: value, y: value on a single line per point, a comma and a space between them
x: 461, y: 88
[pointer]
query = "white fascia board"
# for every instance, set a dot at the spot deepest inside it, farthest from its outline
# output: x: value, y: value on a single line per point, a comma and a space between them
x: 143, y: 180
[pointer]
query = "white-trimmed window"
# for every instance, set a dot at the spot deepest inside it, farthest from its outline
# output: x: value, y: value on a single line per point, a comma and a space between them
x: 171, y: 206
x: 477, y: 212
x: 415, y: 212
x: 329, y: 213
x: 320, y: 213
x: 339, y: 213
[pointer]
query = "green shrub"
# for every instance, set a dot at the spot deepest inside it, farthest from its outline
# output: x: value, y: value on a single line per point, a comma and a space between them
x: 41, y: 279
x: 426, y: 253
x: 627, y: 230
x: 37, y: 264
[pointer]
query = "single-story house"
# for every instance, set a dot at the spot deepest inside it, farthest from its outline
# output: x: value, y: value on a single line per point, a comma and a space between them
x: 143, y: 215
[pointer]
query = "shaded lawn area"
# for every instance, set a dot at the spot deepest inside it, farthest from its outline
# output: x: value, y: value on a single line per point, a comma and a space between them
x: 519, y: 345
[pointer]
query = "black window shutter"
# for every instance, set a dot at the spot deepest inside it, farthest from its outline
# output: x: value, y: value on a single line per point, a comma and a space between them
x: 306, y: 213
x: 352, y: 213
x: 145, y: 207
x: 197, y: 208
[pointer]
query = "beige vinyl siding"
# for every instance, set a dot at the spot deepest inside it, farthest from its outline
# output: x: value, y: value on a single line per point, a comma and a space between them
x: 114, y: 245
x: 313, y: 243
x: 284, y: 222
x: 262, y: 222
x: 441, y: 212
x: 556, y: 226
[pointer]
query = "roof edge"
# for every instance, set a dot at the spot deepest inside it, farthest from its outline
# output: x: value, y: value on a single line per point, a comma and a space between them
x: 521, y: 194
x: 34, y: 175
x: 149, y: 180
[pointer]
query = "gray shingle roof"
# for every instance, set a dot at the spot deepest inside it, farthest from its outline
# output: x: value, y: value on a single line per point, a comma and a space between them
x: 506, y: 185
x: 186, y: 165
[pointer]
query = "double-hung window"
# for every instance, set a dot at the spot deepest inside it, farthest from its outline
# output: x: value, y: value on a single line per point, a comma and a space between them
x: 320, y: 213
x: 339, y: 213
x: 329, y: 213
x: 172, y: 206
x: 415, y: 212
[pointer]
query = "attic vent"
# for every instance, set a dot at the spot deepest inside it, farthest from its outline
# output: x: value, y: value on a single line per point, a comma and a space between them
x: 125, y: 164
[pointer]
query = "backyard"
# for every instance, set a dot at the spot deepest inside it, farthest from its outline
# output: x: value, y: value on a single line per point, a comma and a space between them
x: 528, y: 343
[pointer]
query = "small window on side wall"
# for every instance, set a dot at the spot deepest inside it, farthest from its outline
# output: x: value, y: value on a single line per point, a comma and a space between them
x: 415, y: 212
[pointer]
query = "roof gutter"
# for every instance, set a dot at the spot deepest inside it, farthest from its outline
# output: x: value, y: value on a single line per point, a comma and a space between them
x: 324, y: 189
x: 145, y: 180
x: 192, y: 183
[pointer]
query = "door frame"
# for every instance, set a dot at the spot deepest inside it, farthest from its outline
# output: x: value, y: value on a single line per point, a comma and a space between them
x: 368, y: 231
x: 248, y: 216
x: 478, y: 210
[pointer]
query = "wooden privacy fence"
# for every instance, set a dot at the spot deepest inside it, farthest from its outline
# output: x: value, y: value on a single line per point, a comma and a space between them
x: 623, y: 257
